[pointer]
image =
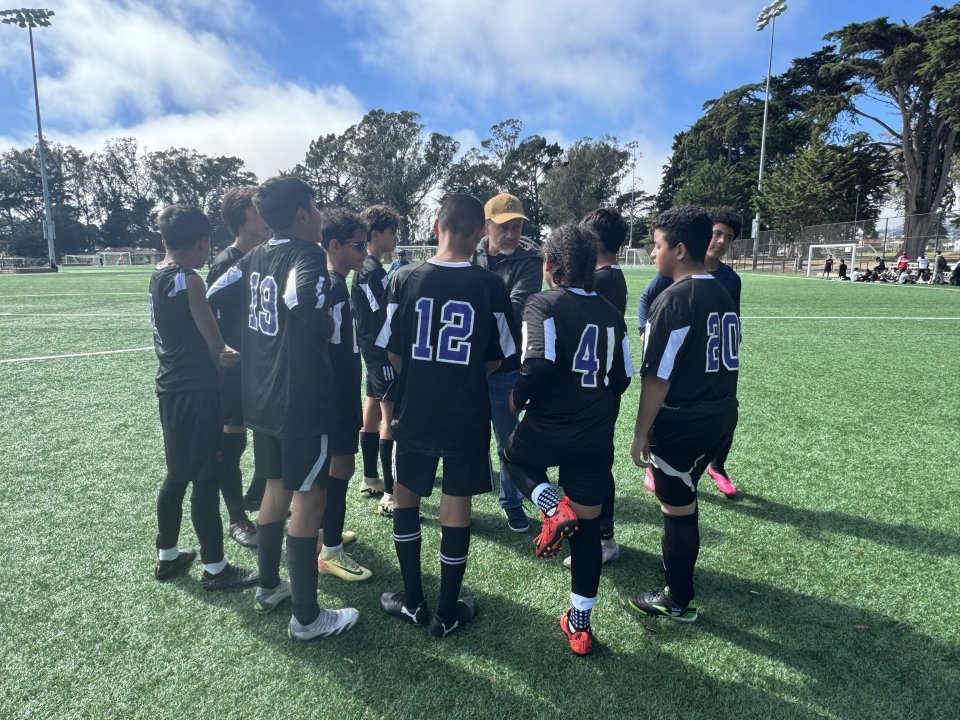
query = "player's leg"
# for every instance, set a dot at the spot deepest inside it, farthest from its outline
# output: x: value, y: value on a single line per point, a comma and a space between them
x: 499, y: 385
x: 717, y: 468
x: 171, y: 560
x: 334, y: 560
x: 271, y: 590
x: 372, y: 485
x: 385, y: 506
x: 585, y: 567
x: 231, y: 485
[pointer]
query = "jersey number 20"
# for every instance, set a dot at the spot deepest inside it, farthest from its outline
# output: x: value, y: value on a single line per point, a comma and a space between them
x: 723, y: 341
x: 453, y: 340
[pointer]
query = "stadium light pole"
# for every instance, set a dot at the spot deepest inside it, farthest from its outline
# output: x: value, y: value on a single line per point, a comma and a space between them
x: 767, y: 16
x: 31, y: 18
x: 633, y: 187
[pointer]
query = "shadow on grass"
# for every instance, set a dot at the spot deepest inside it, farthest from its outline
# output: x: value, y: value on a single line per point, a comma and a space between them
x: 814, y: 522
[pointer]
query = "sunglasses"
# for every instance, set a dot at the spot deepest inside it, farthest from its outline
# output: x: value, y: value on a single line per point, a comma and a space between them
x: 361, y: 246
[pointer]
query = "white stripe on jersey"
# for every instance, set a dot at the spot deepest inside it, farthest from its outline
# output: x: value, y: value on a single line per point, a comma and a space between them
x: 374, y: 305
x: 179, y: 284
x: 321, y: 298
x: 550, y: 340
x: 611, y: 341
x: 670, y: 353
x: 231, y: 276
x: 290, y: 298
x: 385, y: 281
x: 337, y: 322
x: 506, y: 338
x: 315, y: 470
x: 384, y: 337
x: 627, y: 360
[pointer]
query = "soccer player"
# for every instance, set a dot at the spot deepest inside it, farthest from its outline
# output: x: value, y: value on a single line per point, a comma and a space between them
x: 447, y: 328
x: 576, y: 365
x: 368, y: 289
x: 726, y: 229
x: 513, y: 257
x: 248, y: 230
x: 189, y: 349
x: 345, y: 240
x: 288, y: 395
x: 688, y: 396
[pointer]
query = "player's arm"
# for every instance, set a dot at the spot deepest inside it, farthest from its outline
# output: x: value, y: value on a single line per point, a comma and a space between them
x: 539, y: 353
x: 622, y: 370
x: 390, y: 333
x: 529, y: 280
x: 653, y: 391
x: 306, y: 292
x: 226, y: 290
x: 220, y: 354
x: 397, y: 361
x: 657, y: 285
x: 501, y: 344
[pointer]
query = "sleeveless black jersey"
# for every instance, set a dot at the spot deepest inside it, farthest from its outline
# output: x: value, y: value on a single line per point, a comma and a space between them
x: 692, y: 339
x: 344, y: 356
x: 283, y: 290
x: 445, y: 320
x: 185, y: 364
x: 609, y: 283
x: 368, y: 291
x: 576, y: 363
x: 228, y: 319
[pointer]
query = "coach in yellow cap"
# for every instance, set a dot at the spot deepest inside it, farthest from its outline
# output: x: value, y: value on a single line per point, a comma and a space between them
x: 514, y: 258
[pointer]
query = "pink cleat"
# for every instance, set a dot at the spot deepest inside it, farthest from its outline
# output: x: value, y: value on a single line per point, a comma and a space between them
x: 648, y: 480
x: 723, y: 482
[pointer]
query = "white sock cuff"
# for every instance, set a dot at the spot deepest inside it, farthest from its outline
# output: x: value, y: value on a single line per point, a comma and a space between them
x: 215, y: 568
x: 335, y: 548
x: 168, y: 554
x: 538, y: 491
x: 582, y: 603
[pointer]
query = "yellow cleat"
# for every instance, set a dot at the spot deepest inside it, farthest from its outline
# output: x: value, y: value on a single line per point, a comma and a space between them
x: 340, y: 564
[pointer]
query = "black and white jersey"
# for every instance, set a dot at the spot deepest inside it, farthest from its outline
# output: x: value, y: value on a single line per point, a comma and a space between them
x: 692, y: 339
x: 283, y: 289
x: 368, y: 291
x: 185, y: 364
x: 228, y: 318
x: 344, y: 352
x: 446, y: 320
x: 576, y: 362
x: 609, y: 283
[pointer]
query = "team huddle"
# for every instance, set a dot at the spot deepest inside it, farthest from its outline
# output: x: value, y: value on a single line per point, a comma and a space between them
x: 459, y: 350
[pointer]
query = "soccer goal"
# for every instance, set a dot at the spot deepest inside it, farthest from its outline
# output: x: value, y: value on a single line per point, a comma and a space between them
x: 839, y: 250
x: 114, y: 258
x: 413, y: 253
x: 637, y: 257
x: 82, y: 260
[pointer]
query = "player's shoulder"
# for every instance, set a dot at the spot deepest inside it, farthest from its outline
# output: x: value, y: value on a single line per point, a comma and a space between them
x: 372, y: 266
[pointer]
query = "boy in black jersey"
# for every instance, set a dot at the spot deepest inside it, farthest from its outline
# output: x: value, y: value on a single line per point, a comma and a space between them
x: 189, y: 348
x: 288, y: 395
x: 688, y: 397
x: 249, y: 230
x: 447, y: 328
x: 576, y: 365
x: 368, y: 290
x: 345, y: 240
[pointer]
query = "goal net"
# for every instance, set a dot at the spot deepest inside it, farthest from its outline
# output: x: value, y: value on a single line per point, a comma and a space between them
x: 85, y: 260
x: 113, y: 258
x: 637, y: 257
x: 819, y: 253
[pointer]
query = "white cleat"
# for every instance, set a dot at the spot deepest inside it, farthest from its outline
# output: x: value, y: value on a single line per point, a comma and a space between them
x: 328, y: 622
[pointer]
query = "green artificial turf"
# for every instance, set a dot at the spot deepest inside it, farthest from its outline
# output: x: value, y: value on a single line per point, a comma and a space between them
x: 828, y: 587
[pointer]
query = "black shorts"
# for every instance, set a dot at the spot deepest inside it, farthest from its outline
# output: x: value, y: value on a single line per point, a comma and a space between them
x: 345, y: 442
x: 462, y: 476
x: 231, y: 407
x: 381, y: 381
x: 192, y: 435
x: 680, y: 452
x: 585, y: 465
x: 302, y: 463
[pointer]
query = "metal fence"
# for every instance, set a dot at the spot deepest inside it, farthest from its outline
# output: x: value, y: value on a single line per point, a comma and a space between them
x: 785, y: 250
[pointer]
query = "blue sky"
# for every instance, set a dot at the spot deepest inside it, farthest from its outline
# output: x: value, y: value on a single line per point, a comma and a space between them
x: 260, y: 80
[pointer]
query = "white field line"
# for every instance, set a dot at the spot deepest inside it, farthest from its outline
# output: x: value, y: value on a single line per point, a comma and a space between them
x: 60, y: 295
x: 75, y: 355
x: 67, y: 315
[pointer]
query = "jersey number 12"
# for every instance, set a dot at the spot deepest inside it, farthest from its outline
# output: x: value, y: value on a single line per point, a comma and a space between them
x: 453, y: 340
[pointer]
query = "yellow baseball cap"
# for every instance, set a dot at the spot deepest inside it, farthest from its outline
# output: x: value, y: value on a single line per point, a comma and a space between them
x: 503, y: 207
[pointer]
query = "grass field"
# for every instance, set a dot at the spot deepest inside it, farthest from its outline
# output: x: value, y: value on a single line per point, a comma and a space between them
x: 828, y: 588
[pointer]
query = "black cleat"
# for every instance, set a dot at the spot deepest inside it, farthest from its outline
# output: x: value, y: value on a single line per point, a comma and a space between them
x: 394, y: 604
x: 466, y: 611
x: 230, y: 578
x: 166, y: 569
x: 244, y: 532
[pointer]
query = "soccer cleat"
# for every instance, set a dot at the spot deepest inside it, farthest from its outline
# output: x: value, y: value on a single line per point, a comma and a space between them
x: 609, y: 552
x: 466, y: 611
x: 371, y: 487
x: 328, y: 622
x: 561, y: 523
x: 385, y: 506
x: 648, y: 480
x: 517, y: 519
x: 341, y: 565
x: 662, y: 604
x: 230, y: 578
x: 723, y: 482
x: 166, y: 569
x: 244, y: 532
x: 581, y: 641
x: 393, y: 604
x: 265, y: 600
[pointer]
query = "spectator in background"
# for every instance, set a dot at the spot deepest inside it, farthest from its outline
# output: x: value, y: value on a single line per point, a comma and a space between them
x: 856, y: 276
x: 881, y: 265
x: 399, y: 262
x: 842, y: 270
x: 903, y: 262
x: 955, y: 275
x: 827, y: 266
x: 939, y: 268
x: 923, y: 267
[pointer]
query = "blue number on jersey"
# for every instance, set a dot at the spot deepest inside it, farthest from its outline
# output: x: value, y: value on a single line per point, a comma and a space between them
x: 454, y: 336
x: 263, y: 294
x: 586, y: 360
x: 422, y: 349
x: 723, y: 340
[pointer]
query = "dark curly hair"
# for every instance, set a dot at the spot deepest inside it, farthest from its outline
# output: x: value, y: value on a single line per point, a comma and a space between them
x: 340, y: 224
x: 182, y: 226
x: 572, y: 250
x: 687, y: 224
x: 378, y: 218
x: 729, y: 217
x: 609, y: 226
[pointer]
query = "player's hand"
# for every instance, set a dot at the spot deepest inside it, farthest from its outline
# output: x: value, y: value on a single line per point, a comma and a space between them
x: 513, y: 408
x: 640, y: 451
x: 228, y: 357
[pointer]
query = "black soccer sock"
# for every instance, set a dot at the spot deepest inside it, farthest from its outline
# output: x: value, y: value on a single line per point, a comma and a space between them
x: 525, y: 479
x: 269, y: 548
x: 302, y: 566
x: 720, y: 459
x: 454, y: 546
x: 386, y: 464
x: 369, y: 445
x: 231, y: 478
x: 258, y: 486
x: 407, y: 541
x: 606, y: 512
x: 680, y: 545
x: 585, y: 558
x: 335, y: 511
x: 170, y: 512
x: 205, y: 515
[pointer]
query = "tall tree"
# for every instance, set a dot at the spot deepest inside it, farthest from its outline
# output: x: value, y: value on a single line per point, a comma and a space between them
x: 328, y: 167
x: 588, y: 177
x: 127, y: 194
